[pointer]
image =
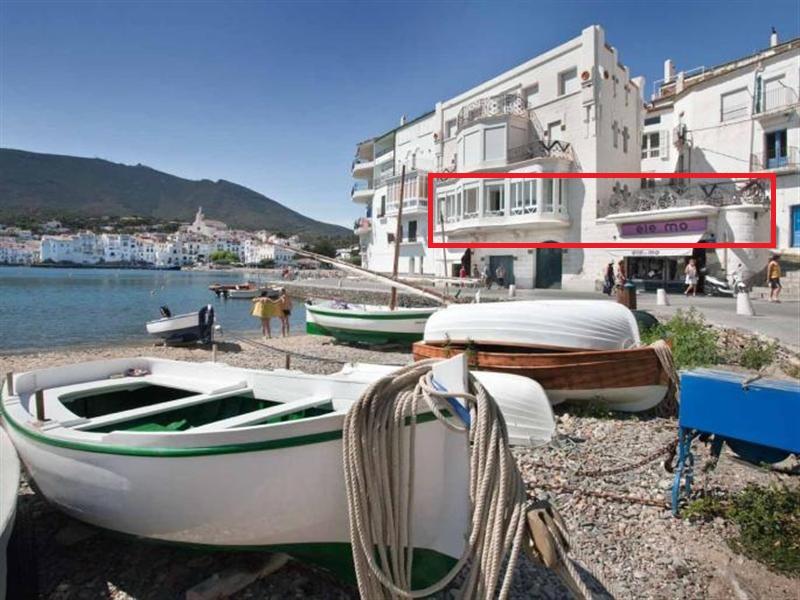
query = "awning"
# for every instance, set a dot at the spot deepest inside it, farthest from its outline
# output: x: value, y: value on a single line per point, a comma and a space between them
x: 686, y: 238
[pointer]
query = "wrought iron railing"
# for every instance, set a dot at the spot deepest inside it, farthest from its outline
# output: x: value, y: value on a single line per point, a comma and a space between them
x: 791, y: 158
x: 677, y: 194
x: 484, y: 108
x: 775, y: 99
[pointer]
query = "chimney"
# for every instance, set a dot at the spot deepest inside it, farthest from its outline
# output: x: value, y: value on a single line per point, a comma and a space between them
x: 773, y: 38
x: 669, y: 70
x: 403, y: 120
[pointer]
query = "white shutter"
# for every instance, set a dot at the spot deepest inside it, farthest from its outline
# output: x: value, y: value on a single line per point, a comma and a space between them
x: 495, y: 143
x: 663, y: 149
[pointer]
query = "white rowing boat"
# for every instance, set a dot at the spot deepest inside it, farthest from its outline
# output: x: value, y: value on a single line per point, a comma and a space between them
x: 9, y: 484
x: 211, y: 455
x: 188, y: 327
x: 366, y: 323
x: 547, y: 324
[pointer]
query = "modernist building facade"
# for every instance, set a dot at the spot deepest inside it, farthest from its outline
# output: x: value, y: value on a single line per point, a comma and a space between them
x: 573, y: 109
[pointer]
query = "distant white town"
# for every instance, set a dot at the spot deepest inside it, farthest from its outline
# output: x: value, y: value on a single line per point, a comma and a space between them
x: 192, y: 244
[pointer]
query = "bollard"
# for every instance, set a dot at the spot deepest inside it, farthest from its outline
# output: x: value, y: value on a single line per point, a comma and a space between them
x: 661, y: 297
x: 287, y: 361
x: 340, y: 283
x: 40, y: 405
x: 9, y: 383
x: 512, y: 290
x: 213, y: 353
x: 744, y: 306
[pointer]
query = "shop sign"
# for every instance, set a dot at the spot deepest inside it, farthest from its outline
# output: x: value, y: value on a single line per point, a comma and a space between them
x: 676, y: 226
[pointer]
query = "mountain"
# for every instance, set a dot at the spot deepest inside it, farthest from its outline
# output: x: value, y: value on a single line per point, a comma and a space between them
x: 53, y: 186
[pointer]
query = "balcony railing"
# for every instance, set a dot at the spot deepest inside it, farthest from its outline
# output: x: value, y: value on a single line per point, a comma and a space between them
x: 363, y: 162
x: 493, y: 106
x: 409, y: 205
x: 540, y: 149
x: 383, y: 151
x: 775, y: 99
x: 676, y: 194
x: 763, y: 163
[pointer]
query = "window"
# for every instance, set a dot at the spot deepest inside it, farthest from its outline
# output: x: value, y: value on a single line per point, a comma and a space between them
x: 568, y: 81
x: 734, y: 105
x: 532, y: 94
x: 412, y: 231
x: 652, y: 120
x: 615, y: 133
x: 472, y: 148
x: 494, y: 199
x: 383, y: 206
x: 625, y: 135
x: 450, y: 129
x: 547, y: 195
x: 470, y: 202
x: 553, y: 131
x: 775, y: 151
x: 494, y: 146
x: 651, y: 145
x: 523, y: 197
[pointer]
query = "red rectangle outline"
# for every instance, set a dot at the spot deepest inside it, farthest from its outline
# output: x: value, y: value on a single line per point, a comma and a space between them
x: 772, y: 177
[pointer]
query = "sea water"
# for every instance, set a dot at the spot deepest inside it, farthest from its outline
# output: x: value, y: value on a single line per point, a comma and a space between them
x: 56, y: 307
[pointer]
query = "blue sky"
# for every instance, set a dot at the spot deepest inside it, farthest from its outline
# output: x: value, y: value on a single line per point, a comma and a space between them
x: 274, y: 95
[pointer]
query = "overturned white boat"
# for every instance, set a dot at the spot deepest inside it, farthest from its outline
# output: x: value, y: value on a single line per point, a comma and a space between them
x: 207, y: 454
x: 547, y: 324
x: 9, y: 484
x: 181, y: 329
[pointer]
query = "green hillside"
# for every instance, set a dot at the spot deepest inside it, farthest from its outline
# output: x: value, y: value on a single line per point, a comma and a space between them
x: 53, y: 186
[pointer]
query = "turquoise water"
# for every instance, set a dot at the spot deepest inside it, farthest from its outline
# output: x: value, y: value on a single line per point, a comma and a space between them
x: 45, y: 308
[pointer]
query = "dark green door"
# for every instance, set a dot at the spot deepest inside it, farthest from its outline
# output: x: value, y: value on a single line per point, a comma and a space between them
x: 548, y: 267
x: 508, y: 262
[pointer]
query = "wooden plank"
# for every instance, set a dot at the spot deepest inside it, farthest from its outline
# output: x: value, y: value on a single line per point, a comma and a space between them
x: 263, y: 414
x: 230, y: 581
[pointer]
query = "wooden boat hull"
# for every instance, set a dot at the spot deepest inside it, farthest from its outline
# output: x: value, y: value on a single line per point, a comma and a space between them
x: 626, y: 380
x: 9, y: 484
x: 276, y: 487
x: 367, y: 324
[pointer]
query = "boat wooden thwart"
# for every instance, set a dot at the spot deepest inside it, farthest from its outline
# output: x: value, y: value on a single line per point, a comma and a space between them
x: 208, y: 454
x: 578, y: 350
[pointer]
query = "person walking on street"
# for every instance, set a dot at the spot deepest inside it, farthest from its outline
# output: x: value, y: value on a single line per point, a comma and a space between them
x: 608, y: 279
x: 619, y: 276
x: 774, y: 278
x: 691, y: 278
x: 500, y: 274
x: 486, y: 278
x: 462, y: 275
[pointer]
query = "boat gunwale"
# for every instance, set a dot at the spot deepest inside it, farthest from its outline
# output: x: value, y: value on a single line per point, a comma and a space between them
x: 383, y: 315
x: 335, y: 433
x: 551, y: 351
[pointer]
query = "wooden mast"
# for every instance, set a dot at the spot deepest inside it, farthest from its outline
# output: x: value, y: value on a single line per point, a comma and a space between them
x: 397, y: 238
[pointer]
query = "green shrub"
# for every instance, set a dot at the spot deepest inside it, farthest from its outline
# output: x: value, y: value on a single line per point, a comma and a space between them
x: 757, y: 354
x: 694, y: 344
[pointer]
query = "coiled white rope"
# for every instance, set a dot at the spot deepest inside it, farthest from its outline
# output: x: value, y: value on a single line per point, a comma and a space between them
x: 379, y: 474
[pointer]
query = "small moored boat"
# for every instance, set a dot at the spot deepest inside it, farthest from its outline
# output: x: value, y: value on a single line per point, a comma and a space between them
x: 364, y: 323
x: 9, y: 484
x: 577, y: 350
x: 183, y: 329
x: 207, y: 454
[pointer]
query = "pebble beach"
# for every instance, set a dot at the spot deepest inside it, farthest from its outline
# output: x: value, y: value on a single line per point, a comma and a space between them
x: 622, y: 532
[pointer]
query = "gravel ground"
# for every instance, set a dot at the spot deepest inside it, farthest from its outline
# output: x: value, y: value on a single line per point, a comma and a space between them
x: 634, y: 550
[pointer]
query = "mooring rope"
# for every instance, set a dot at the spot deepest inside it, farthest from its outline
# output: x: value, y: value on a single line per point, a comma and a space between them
x: 379, y: 475
x: 669, y: 406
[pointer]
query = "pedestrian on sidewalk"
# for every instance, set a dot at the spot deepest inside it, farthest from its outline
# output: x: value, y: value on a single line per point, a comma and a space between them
x: 608, y: 279
x: 691, y: 278
x: 774, y: 278
x: 486, y: 278
x: 462, y: 275
x: 500, y: 274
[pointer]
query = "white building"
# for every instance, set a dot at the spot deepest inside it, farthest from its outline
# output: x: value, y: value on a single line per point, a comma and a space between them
x: 81, y: 248
x: 742, y: 116
x: 573, y: 109
x: 15, y: 251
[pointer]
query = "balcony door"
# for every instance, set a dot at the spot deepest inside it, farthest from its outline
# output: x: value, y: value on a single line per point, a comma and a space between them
x: 775, y: 148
